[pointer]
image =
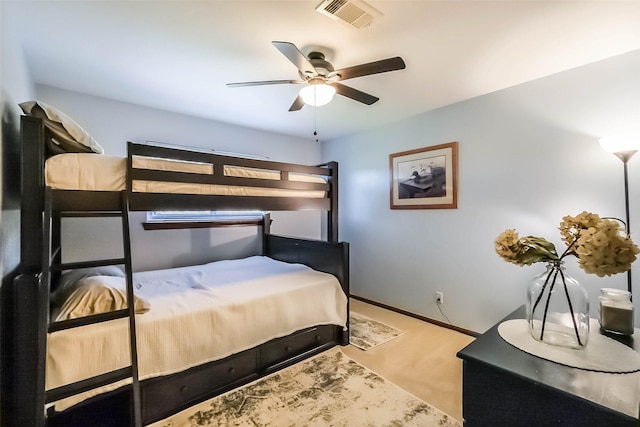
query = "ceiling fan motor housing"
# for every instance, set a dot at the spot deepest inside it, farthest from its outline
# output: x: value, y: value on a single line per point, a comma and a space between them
x: 323, y: 67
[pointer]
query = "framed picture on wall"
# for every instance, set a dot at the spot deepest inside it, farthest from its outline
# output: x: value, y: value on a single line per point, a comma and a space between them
x: 425, y: 178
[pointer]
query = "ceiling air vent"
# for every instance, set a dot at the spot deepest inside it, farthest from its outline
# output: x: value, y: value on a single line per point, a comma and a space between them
x: 355, y: 13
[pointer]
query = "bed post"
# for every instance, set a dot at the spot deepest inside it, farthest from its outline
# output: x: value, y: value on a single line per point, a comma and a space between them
x: 30, y: 300
x: 32, y: 197
x: 266, y: 229
x: 29, y: 347
x: 332, y: 215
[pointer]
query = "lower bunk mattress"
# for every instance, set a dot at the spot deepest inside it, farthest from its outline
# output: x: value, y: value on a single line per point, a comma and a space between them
x: 193, y: 315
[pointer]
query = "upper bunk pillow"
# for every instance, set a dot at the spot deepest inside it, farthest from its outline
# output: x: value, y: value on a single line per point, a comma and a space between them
x: 67, y: 136
x: 99, y: 294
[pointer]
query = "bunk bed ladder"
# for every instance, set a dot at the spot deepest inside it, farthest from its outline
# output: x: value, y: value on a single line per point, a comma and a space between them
x: 52, y: 259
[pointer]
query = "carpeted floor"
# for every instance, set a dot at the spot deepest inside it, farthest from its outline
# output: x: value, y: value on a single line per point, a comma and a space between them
x: 329, y: 389
x: 422, y: 360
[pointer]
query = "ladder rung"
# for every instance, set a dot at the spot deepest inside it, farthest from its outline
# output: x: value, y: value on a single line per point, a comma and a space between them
x: 87, y: 384
x: 88, y: 320
x: 86, y: 264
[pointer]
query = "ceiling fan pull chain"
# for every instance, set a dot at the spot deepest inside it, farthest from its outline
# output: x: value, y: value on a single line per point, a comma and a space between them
x: 315, y: 122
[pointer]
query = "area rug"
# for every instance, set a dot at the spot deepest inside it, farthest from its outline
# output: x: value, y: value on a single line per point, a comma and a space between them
x: 366, y: 333
x: 329, y: 389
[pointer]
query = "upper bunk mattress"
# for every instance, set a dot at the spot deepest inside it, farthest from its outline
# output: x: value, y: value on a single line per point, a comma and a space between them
x: 198, y: 314
x: 96, y: 172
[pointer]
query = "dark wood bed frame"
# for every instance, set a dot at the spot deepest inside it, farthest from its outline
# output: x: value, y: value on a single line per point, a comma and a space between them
x: 161, y: 396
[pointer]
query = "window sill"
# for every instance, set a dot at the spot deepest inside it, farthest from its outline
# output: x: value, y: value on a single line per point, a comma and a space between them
x: 177, y: 225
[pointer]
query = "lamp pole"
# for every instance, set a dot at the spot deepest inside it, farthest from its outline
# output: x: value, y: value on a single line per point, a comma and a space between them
x: 625, y: 156
x: 624, y: 146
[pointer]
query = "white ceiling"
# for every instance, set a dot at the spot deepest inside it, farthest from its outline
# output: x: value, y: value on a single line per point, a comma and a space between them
x: 178, y: 55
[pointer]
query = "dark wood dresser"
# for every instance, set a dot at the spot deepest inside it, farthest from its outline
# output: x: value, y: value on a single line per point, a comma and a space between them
x: 504, y: 386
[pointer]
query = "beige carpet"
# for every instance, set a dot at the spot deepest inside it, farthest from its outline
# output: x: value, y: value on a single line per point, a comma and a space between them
x: 422, y: 360
x: 329, y: 389
x: 366, y: 333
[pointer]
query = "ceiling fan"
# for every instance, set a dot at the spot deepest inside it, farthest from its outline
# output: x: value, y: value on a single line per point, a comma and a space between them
x: 322, y: 79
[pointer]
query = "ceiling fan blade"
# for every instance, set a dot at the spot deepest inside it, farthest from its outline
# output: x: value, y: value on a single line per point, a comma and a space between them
x: 298, y: 59
x: 297, y: 104
x: 354, y: 94
x: 376, y: 67
x: 266, y: 82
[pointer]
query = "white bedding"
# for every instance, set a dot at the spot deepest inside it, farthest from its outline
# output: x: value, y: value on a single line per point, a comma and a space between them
x: 95, y: 172
x: 199, y: 314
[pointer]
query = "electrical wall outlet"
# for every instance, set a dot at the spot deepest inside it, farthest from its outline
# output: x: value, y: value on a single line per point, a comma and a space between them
x: 439, y: 298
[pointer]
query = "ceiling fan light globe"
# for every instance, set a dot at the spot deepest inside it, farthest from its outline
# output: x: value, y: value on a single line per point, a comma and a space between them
x: 317, y: 94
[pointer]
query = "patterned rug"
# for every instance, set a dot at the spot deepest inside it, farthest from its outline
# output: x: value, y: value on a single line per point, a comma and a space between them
x: 366, y: 333
x: 329, y: 389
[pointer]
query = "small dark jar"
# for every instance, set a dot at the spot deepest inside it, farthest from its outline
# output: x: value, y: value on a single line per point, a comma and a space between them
x: 616, y: 311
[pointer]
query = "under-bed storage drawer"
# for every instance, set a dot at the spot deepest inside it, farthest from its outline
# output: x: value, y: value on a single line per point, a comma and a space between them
x: 196, y: 383
x: 284, y: 348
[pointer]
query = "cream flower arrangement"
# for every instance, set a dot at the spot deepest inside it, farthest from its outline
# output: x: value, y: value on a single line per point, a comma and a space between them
x: 601, y: 245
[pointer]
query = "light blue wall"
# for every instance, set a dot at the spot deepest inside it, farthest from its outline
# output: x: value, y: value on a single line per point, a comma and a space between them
x: 15, y: 83
x: 528, y: 156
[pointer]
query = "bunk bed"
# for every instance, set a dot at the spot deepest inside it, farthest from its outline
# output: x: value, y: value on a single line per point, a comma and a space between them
x: 154, y: 178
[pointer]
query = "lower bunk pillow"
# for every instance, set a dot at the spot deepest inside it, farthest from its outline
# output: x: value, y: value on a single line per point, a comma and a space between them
x: 98, y: 294
x: 197, y: 315
x: 89, y: 291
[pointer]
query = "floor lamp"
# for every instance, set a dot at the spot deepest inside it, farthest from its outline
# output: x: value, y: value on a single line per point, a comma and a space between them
x: 623, y: 147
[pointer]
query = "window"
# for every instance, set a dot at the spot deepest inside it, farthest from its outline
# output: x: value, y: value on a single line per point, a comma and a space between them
x: 191, y: 216
x: 157, y: 220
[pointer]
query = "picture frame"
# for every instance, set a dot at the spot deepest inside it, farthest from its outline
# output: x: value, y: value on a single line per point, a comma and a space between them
x: 425, y: 178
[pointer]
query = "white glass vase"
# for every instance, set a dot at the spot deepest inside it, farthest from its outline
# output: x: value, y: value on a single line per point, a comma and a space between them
x: 558, y: 308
